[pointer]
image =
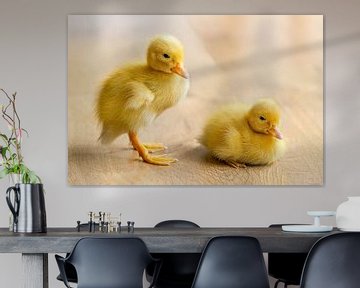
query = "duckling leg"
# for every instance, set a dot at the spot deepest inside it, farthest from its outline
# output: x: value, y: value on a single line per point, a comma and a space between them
x: 153, y: 147
x: 144, y: 153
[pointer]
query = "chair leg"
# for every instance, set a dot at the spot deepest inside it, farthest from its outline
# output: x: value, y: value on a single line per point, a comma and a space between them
x: 279, y: 281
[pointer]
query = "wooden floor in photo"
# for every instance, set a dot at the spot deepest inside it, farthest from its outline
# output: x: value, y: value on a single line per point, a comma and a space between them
x: 241, y: 58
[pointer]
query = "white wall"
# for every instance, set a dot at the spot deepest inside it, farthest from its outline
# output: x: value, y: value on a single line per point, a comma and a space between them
x: 33, y: 62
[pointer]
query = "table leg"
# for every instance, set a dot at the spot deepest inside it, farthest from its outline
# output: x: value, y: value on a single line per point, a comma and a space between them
x: 35, y: 270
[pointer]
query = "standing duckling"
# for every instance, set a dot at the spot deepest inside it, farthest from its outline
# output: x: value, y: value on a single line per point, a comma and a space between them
x: 241, y: 135
x: 133, y: 96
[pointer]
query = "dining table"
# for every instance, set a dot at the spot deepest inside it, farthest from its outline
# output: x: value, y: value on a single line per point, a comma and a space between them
x: 35, y: 247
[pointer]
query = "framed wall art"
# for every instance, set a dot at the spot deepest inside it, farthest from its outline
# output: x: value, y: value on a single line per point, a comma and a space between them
x: 195, y: 100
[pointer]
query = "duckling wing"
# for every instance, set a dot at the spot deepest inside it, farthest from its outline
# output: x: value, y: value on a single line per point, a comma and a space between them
x: 137, y: 96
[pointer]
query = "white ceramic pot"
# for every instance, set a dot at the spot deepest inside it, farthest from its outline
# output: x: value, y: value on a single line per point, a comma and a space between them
x: 15, y: 179
x: 348, y: 215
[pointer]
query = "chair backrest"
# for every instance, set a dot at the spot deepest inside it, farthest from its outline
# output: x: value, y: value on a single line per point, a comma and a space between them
x: 110, y: 262
x: 232, y: 262
x: 178, y: 269
x: 286, y: 267
x: 176, y: 224
x: 333, y: 262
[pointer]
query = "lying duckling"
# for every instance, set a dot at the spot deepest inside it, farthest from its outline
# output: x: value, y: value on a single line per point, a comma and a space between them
x: 134, y: 95
x: 241, y: 135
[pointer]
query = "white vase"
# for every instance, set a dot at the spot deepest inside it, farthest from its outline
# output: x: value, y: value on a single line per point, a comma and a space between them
x: 14, y: 179
x: 348, y: 215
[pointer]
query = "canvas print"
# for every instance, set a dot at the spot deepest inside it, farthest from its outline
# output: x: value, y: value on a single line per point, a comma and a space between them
x: 195, y: 100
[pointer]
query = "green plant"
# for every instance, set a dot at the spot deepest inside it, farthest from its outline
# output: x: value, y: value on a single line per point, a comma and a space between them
x: 11, y: 159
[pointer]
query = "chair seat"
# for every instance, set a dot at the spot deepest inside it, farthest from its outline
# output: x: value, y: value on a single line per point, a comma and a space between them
x: 177, y: 270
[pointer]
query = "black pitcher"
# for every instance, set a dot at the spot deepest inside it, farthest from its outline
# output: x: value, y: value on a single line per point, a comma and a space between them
x: 28, y: 207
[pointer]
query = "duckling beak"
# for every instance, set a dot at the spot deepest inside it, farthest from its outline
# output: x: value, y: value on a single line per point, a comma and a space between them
x: 180, y: 70
x: 274, y: 131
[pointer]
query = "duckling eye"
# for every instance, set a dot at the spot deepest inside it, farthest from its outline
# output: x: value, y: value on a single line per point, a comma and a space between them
x: 262, y: 118
x: 166, y: 55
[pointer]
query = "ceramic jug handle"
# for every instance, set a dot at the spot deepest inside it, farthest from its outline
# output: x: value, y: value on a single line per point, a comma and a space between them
x: 13, y: 208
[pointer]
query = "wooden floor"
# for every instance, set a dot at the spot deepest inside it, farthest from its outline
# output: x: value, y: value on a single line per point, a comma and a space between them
x: 230, y: 59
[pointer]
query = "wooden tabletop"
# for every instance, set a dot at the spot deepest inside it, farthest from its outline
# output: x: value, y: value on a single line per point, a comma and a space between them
x: 158, y: 240
x: 240, y: 59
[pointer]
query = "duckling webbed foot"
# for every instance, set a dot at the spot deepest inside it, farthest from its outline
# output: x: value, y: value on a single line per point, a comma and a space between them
x: 154, y: 147
x: 159, y: 160
x: 235, y: 164
x: 144, y: 153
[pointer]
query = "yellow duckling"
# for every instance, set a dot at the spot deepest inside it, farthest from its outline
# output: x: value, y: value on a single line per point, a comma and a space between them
x: 240, y: 134
x: 133, y: 96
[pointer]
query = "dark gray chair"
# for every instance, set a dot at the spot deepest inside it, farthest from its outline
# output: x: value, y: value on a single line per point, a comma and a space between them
x: 232, y: 262
x: 178, y: 269
x: 286, y: 267
x: 70, y: 271
x: 333, y: 262
x: 108, y: 263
